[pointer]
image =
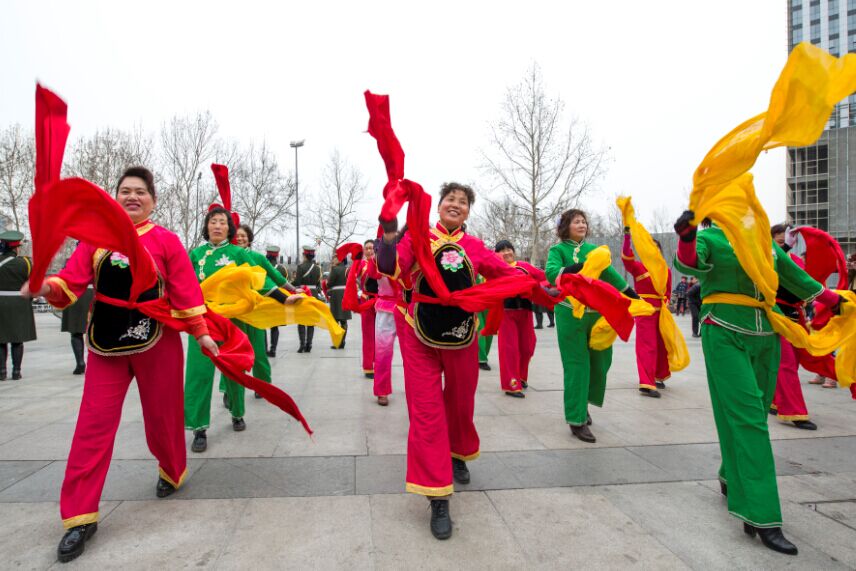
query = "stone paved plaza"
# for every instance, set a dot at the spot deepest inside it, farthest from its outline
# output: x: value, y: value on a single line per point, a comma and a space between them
x: 272, y: 498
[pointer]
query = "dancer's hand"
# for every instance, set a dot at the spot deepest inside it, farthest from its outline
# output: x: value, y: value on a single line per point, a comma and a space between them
x: 684, y: 228
x: 292, y: 299
x: 25, y: 290
x: 208, y: 343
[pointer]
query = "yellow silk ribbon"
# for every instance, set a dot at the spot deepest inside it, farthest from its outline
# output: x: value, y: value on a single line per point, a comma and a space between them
x: 231, y: 292
x: 651, y: 257
x: 840, y: 332
x: 597, y: 260
x: 808, y: 88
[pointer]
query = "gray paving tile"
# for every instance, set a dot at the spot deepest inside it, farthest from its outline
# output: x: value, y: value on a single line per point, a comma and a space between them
x: 272, y: 477
x: 819, y: 454
x: 13, y: 471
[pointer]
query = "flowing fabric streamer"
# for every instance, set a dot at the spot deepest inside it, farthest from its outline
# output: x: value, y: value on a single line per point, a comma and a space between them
x: 399, y: 191
x: 232, y: 293
x: 823, y: 256
x: 652, y: 258
x: 810, y: 85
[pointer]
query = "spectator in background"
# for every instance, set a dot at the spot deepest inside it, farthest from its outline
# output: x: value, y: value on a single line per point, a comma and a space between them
x: 694, y: 300
x: 681, y: 296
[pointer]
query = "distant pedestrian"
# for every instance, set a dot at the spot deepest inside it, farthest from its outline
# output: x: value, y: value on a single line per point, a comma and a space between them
x: 681, y: 296
x: 694, y: 301
x: 74, y: 321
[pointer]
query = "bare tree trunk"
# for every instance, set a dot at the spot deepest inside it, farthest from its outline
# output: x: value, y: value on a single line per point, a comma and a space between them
x: 17, y: 171
x: 333, y: 217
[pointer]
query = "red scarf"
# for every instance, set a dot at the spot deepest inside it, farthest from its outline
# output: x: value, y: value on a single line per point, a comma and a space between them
x: 823, y: 256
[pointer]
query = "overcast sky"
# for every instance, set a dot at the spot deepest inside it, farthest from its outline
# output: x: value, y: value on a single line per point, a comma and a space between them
x: 657, y: 82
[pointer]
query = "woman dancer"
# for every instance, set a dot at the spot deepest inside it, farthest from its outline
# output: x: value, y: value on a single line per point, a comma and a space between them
x: 584, y: 368
x: 652, y: 361
x: 516, y: 331
x: 126, y: 344
x: 742, y: 355
x: 440, y: 343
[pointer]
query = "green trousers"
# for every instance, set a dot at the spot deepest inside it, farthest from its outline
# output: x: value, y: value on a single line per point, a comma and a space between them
x: 199, y: 384
x: 584, y: 369
x: 741, y: 375
x: 261, y: 366
x: 484, y: 342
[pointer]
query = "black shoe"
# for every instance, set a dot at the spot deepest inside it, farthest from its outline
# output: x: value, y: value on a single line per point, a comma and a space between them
x: 258, y: 396
x: 538, y: 327
x: 551, y: 325
x: 302, y: 349
x: 524, y: 384
x: 79, y: 370
x: 772, y: 538
x: 238, y: 424
x: 583, y: 433
x: 460, y: 472
x: 484, y: 366
x: 164, y: 488
x: 441, y: 522
x: 660, y: 384
x: 773, y: 412
x: 2, y: 374
x: 307, y: 349
x: 16, y: 375
x: 73, y: 542
x: 653, y: 393
x: 723, y: 488
x: 369, y: 375
x: 271, y: 354
x: 805, y: 424
x: 200, y: 441
x: 333, y: 347
x: 226, y: 402
x: 588, y: 419
x: 515, y: 394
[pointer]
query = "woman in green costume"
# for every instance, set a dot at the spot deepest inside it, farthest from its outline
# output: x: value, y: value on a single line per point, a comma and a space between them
x: 584, y: 368
x: 261, y: 366
x: 742, y: 358
x: 218, y: 252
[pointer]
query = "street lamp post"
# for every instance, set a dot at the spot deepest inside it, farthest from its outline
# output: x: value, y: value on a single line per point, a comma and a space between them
x: 296, y: 145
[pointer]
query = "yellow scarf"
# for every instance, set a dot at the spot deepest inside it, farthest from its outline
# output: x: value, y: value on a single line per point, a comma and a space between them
x: 602, y: 333
x: 231, y: 292
x: 652, y: 259
x: 810, y: 85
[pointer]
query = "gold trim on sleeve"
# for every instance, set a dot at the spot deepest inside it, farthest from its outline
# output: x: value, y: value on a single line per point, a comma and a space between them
x: 189, y: 312
x: 63, y: 285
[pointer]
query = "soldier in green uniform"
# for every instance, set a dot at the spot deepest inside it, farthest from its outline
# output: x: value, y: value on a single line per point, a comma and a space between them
x: 742, y: 355
x: 17, y: 324
x: 336, y: 292
x: 308, y: 274
x: 74, y: 321
x: 207, y: 259
x: 261, y: 366
x: 272, y: 255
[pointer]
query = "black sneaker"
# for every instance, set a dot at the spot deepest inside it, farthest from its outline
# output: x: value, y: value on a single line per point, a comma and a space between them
x: 460, y: 472
x: 238, y: 424
x: 646, y: 392
x: 484, y: 366
x: 660, y: 384
x: 441, y: 521
x: 164, y: 488
x: 79, y: 370
x: 515, y: 394
x: 74, y: 541
x: 805, y: 424
x: 200, y: 441
x: 369, y: 375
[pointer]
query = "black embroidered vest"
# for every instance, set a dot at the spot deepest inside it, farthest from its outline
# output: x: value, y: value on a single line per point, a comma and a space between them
x: 116, y: 330
x: 518, y: 302
x: 442, y: 326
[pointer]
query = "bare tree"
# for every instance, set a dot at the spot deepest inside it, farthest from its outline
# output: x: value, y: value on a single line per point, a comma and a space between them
x: 661, y: 220
x: 543, y: 162
x: 188, y: 144
x: 102, y: 157
x: 333, y: 218
x: 499, y: 220
x: 263, y: 195
x: 17, y: 171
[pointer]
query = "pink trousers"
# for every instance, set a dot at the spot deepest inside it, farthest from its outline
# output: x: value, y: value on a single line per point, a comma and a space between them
x: 160, y: 379
x: 652, y: 361
x: 516, y: 347
x: 367, y: 321
x: 384, y: 345
x: 788, y: 400
x: 440, y: 385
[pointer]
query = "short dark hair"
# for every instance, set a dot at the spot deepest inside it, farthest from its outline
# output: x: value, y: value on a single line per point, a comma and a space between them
x: 450, y: 187
x: 503, y: 245
x: 564, y: 226
x: 139, y: 172
x: 248, y: 230
x: 778, y: 229
x: 213, y: 212
x: 370, y: 240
